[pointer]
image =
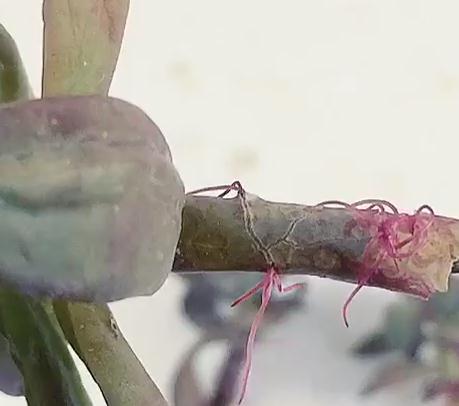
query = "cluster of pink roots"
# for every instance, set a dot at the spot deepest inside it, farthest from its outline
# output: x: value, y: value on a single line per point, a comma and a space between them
x: 393, y: 235
x: 270, y: 281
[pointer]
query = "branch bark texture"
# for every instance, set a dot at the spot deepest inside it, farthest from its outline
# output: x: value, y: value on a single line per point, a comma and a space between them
x: 224, y: 235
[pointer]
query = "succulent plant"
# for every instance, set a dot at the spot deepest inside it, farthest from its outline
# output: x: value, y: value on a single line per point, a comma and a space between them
x: 93, y: 210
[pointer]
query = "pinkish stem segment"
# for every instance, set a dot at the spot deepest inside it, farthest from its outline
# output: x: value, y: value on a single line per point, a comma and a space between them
x: 393, y: 235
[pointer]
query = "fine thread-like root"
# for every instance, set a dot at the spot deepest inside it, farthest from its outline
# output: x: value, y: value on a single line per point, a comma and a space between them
x: 425, y: 207
x: 328, y: 203
x: 209, y: 189
x: 361, y: 283
x: 247, y: 295
x: 267, y: 287
x: 235, y: 186
x: 376, y: 202
x: 270, y: 281
x: 372, y: 203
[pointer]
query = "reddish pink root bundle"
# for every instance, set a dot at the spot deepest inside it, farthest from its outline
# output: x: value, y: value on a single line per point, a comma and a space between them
x: 270, y: 281
x: 386, y: 229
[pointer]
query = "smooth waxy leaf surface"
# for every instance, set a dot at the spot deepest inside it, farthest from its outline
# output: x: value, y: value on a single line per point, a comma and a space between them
x: 90, y: 202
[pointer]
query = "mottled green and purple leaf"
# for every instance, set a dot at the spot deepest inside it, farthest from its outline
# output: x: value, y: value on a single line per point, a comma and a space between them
x: 90, y: 201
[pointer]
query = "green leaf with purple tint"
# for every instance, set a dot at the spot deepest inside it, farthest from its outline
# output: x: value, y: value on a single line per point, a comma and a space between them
x: 90, y: 201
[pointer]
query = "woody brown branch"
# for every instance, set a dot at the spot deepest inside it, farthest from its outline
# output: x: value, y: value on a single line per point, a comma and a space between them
x: 300, y: 239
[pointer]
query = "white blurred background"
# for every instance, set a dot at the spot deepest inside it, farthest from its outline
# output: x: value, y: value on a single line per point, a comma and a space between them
x: 301, y: 101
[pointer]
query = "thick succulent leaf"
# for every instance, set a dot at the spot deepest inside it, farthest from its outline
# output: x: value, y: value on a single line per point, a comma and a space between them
x: 373, y: 345
x: 392, y: 373
x: 94, y: 334
x: 90, y: 202
x: 227, y: 385
x: 14, y: 84
x: 39, y: 350
x: 401, y: 331
x: 403, y: 326
x: 82, y: 39
x: 43, y: 368
x: 188, y: 389
x: 11, y: 381
x: 444, y: 307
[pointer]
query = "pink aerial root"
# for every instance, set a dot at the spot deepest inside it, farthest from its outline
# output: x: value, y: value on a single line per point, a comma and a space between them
x: 392, y: 235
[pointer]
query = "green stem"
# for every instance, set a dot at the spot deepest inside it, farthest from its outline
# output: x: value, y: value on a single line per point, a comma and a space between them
x: 93, y: 333
x: 40, y: 351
